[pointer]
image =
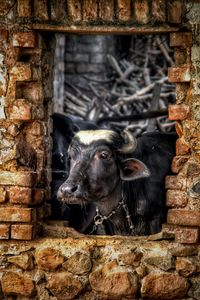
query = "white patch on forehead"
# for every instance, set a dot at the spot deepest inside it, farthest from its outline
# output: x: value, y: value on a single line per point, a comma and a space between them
x: 86, y: 137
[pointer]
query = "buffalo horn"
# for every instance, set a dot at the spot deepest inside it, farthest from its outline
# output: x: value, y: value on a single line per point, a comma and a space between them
x: 131, y: 143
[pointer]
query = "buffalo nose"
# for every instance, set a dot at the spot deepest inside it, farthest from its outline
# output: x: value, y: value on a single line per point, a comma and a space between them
x: 69, y: 188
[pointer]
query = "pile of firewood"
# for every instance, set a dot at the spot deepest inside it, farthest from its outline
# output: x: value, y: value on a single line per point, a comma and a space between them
x: 135, y: 95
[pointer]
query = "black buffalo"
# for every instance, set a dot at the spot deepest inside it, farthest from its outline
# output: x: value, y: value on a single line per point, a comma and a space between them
x: 123, y: 178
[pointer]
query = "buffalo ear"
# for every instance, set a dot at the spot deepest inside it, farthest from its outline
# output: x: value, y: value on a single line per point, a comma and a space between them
x: 132, y: 169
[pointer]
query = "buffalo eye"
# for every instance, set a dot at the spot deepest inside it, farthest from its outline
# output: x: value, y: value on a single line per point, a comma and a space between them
x: 104, y: 155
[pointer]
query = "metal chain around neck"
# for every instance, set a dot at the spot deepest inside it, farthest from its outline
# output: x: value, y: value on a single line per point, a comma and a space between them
x: 99, y: 218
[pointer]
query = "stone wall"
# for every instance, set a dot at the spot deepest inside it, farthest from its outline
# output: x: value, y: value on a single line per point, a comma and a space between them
x: 89, y: 267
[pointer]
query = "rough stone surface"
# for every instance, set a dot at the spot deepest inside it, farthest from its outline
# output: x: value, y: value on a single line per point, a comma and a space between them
x: 24, y: 261
x: 187, y: 266
x: 164, y: 286
x: 79, y: 263
x: 15, y: 284
x: 64, y: 286
x: 49, y: 259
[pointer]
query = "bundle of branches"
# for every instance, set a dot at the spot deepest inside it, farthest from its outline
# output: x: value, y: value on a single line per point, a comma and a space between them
x: 137, y: 93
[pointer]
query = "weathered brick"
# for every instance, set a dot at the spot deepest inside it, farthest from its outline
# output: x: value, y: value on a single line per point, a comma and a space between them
x: 57, y: 10
x: 181, y: 39
x: 20, y: 110
x: 89, y: 10
x: 40, y: 9
x: 174, y: 11
x: 2, y: 195
x: 174, y: 182
x: 26, y: 179
x: 178, y: 162
x: 16, y: 214
x: 181, y: 74
x: 187, y: 235
x: 106, y: 10
x: 22, y: 232
x: 24, y: 39
x: 124, y: 10
x: 31, y: 91
x: 183, y: 217
x: 16, y: 284
x: 176, y: 198
x: 20, y: 195
x: 74, y: 10
x: 182, y: 147
x: 4, y: 231
x: 141, y: 11
x: 24, y: 8
x: 182, y: 57
x: 159, y: 10
x: 21, y: 72
x: 178, y: 111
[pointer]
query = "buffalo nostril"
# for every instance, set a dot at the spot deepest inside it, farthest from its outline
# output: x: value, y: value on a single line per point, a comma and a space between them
x: 69, y: 189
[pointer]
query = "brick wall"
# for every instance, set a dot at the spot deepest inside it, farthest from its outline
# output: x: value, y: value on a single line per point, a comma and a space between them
x: 45, y: 268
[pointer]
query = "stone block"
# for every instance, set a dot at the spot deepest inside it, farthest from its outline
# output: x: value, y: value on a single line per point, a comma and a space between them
x: 21, y: 72
x: 174, y: 11
x: 78, y: 264
x: 17, y: 284
x: 178, y: 111
x: 49, y: 259
x: 25, y: 232
x: 24, y: 8
x: 23, y: 261
x: 124, y: 10
x: 164, y: 286
x: 159, y: 10
x: 141, y: 11
x: 187, y: 266
x: 26, y: 179
x: 106, y: 10
x: 24, y: 39
x: 174, y: 182
x: 4, y: 231
x: 180, y: 74
x: 74, y: 10
x: 178, y: 162
x: 176, y: 198
x: 2, y: 195
x: 187, y: 235
x: 20, y: 110
x: 89, y: 10
x: 181, y: 39
x: 194, y: 291
x: 182, y: 148
x: 40, y: 8
x: 64, y: 286
x: 16, y: 214
x: 183, y: 217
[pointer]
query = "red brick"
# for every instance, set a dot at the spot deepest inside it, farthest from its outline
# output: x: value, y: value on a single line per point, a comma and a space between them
x: 4, y: 231
x: 24, y: 39
x: 40, y: 8
x: 22, y: 232
x: 74, y: 10
x: 20, y: 195
x: 16, y: 214
x: 174, y: 11
x: 176, y: 198
x: 20, y: 110
x: 187, y: 235
x: 181, y: 147
x: 141, y: 11
x: 24, y: 8
x: 2, y: 195
x: 181, y: 39
x: 106, y: 10
x: 178, y: 162
x: 183, y: 217
x: 26, y: 179
x: 21, y: 72
x: 159, y: 10
x: 178, y: 111
x: 175, y: 182
x: 89, y: 10
x: 124, y: 10
x: 181, y: 74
